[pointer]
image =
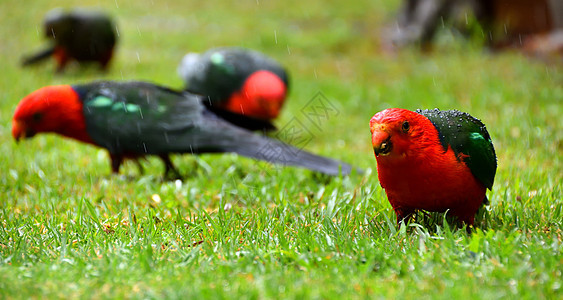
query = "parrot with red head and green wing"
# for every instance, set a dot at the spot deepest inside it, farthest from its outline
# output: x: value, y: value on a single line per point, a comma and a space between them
x: 433, y: 160
x: 135, y: 119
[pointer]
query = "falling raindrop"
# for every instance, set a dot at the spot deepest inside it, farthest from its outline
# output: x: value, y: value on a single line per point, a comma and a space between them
x: 41, y: 174
x: 276, y: 37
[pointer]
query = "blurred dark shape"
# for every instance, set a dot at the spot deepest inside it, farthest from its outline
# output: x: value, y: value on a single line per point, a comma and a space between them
x: 540, y: 45
x: 504, y: 23
x: 243, y: 86
x: 80, y: 35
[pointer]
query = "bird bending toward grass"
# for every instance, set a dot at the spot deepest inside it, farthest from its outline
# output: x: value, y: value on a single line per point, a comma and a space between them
x: 433, y: 160
x: 79, y: 35
x: 135, y: 119
x: 237, y: 81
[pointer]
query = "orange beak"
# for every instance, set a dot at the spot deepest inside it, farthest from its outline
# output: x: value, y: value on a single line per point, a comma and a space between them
x: 380, y: 140
x: 21, y: 131
x: 18, y: 130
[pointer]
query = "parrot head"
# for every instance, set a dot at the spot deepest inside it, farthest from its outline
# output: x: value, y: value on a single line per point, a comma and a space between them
x: 397, y: 133
x: 49, y: 109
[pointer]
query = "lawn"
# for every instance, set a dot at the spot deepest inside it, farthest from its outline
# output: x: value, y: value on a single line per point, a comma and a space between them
x: 236, y: 228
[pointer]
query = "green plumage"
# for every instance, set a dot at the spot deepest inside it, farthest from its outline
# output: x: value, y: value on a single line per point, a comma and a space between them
x: 466, y: 135
x: 220, y: 72
x: 138, y: 118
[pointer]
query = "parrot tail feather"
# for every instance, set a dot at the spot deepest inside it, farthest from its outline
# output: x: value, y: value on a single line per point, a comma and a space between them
x: 39, y: 56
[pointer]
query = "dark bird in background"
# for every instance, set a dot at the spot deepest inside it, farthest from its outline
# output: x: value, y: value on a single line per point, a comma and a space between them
x: 135, y: 119
x: 237, y: 82
x: 79, y: 35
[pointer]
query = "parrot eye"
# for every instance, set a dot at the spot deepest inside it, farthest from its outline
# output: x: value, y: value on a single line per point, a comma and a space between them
x: 36, y: 117
x: 405, y: 126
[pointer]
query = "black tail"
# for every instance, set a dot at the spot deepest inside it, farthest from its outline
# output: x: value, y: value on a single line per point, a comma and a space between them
x: 243, y: 121
x: 279, y: 153
x: 271, y: 150
x: 35, y: 58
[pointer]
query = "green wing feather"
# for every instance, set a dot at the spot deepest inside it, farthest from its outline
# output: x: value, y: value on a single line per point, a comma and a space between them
x: 137, y: 117
x: 468, y: 135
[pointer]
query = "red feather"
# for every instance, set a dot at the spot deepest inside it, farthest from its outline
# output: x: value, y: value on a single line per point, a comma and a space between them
x: 262, y: 96
x: 417, y: 173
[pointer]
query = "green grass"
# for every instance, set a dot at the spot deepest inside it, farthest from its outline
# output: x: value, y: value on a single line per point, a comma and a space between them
x: 240, y: 229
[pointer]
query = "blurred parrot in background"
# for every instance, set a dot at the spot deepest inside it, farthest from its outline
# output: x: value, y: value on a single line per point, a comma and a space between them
x: 237, y: 81
x: 135, y: 119
x: 433, y: 160
x: 79, y: 35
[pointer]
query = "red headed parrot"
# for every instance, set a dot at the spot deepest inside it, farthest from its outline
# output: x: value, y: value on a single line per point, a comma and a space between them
x: 135, y: 119
x: 79, y: 35
x: 433, y: 160
x: 237, y: 81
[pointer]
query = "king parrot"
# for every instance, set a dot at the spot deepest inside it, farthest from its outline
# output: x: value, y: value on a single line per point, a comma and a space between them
x: 80, y: 35
x: 135, y: 119
x: 237, y: 81
x: 433, y: 160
